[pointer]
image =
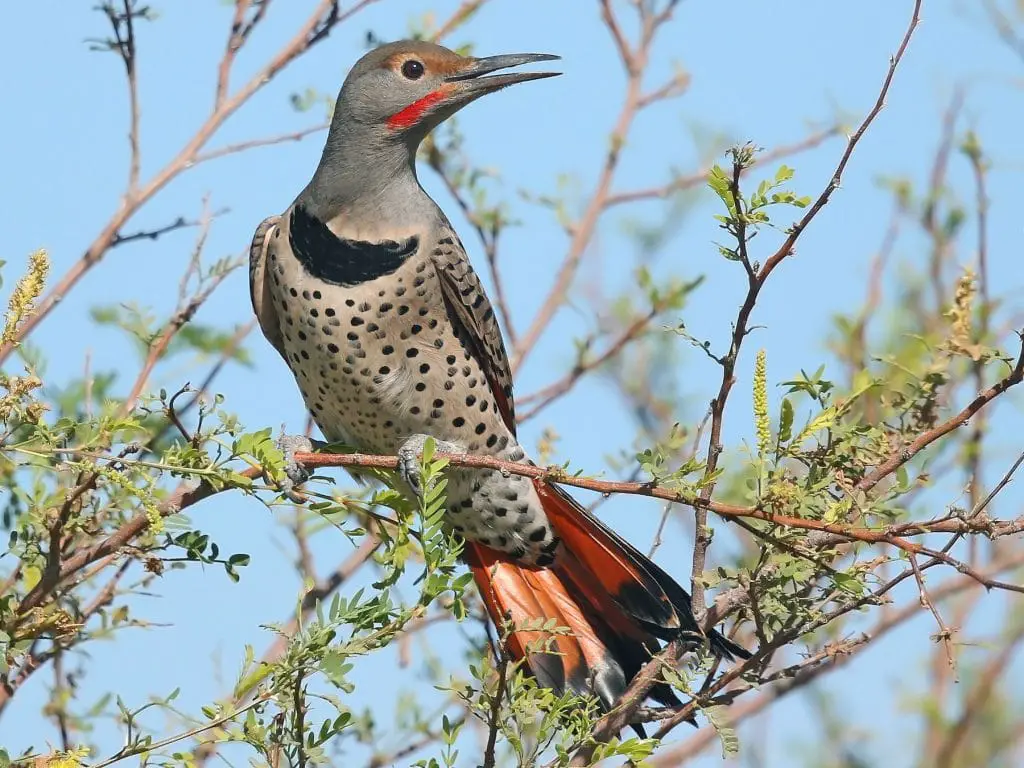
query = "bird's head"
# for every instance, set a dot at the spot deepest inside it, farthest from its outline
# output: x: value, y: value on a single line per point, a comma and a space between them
x: 406, y: 89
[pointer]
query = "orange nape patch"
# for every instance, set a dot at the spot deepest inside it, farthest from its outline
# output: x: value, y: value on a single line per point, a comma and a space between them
x: 410, y: 115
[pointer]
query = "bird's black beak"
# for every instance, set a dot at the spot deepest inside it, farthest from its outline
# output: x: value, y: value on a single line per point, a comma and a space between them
x: 470, y: 81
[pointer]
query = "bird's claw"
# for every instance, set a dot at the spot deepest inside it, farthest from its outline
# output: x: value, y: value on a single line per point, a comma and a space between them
x: 409, y: 460
x: 294, y: 473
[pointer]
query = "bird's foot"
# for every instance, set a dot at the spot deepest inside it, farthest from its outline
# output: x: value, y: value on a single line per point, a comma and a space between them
x: 295, y: 474
x: 409, y: 459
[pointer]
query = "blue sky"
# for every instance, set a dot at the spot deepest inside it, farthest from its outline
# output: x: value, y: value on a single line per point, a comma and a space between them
x: 765, y: 75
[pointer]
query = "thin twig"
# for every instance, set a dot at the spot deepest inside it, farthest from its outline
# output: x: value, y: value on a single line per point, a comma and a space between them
x: 317, y: 25
x: 494, y: 717
x: 1005, y: 28
x: 786, y: 249
x: 945, y: 634
x: 269, y: 141
x: 157, y: 745
x: 812, y: 669
x: 635, y: 62
x: 613, y: 722
x: 901, y: 456
x: 894, y: 535
x: 457, y: 19
x: 552, y: 392
x: 700, y: 178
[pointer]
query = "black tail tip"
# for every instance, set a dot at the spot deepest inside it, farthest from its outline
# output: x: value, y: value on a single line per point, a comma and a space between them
x: 724, y: 648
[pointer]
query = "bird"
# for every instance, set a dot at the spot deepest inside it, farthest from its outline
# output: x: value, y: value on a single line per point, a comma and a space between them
x: 366, y: 291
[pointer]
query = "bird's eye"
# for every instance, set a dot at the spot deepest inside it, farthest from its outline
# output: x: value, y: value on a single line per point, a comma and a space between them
x: 412, y: 69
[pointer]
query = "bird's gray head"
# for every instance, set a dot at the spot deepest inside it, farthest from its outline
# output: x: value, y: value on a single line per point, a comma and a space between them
x: 393, y: 97
x: 405, y: 89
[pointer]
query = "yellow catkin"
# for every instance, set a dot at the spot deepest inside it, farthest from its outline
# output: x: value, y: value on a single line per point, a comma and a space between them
x: 960, y: 314
x: 761, y: 422
x: 70, y: 759
x: 25, y: 293
x: 156, y: 520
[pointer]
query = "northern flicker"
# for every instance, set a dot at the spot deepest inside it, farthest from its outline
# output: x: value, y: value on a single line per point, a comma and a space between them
x: 365, y: 290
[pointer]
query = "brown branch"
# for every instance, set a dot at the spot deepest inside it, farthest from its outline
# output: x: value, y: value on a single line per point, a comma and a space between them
x: 892, y: 534
x: 621, y: 44
x: 316, y: 26
x: 457, y: 19
x: 902, y: 455
x: 974, y: 706
x: 635, y: 62
x: 269, y: 141
x: 187, y: 494
x: 699, y: 178
x: 159, y: 345
x: 129, y: 54
x: 493, y: 718
x: 936, y: 188
x: 701, y: 532
x: 786, y: 684
x: 152, y: 234
x: 787, y: 247
x: 240, y: 31
x: 1004, y: 27
x: 549, y: 394
x: 673, y: 87
x: 184, y: 496
x: 945, y: 634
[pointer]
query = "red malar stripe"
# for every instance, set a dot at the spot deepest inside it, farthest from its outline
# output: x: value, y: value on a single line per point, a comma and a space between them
x: 411, y: 115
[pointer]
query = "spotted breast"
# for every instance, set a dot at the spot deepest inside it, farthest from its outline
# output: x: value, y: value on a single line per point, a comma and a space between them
x: 381, y: 352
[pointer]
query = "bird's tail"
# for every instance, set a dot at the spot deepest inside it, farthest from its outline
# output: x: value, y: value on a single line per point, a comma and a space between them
x: 615, y: 603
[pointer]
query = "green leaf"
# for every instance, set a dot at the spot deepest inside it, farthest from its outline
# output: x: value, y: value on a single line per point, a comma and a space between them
x: 719, y: 718
x: 31, y: 575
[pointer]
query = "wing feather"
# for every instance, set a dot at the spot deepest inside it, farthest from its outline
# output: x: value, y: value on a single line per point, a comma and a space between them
x: 259, y: 284
x: 471, y: 312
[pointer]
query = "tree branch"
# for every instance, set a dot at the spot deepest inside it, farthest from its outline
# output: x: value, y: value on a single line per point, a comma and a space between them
x: 315, y: 28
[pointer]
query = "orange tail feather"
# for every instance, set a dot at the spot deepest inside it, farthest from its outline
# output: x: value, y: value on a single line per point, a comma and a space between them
x: 614, y: 602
